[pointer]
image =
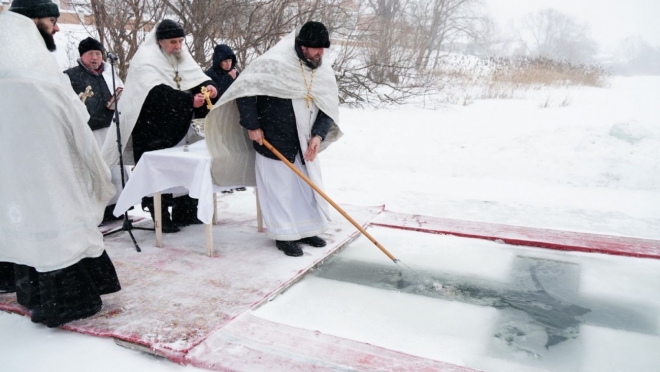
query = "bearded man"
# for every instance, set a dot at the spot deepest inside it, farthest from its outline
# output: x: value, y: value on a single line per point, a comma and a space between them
x: 54, y: 181
x: 161, y: 97
x: 288, y: 97
x: 92, y: 80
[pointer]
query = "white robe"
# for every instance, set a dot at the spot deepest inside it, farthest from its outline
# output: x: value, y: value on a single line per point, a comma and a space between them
x: 149, y: 68
x: 107, y: 76
x: 102, y: 134
x: 55, y: 184
x: 290, y: 207
x: 288, y: 211
x: 276, y: 73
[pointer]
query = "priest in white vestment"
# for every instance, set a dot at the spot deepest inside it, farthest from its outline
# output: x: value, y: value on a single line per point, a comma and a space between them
x: 161, y: 96
x: 288, y: 97
x: 55, y: 183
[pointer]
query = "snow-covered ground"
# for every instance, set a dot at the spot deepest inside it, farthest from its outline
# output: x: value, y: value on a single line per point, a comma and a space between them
x: 592, y: 165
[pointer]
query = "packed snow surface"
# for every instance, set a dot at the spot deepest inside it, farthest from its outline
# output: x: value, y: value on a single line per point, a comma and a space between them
x: 592, y: 165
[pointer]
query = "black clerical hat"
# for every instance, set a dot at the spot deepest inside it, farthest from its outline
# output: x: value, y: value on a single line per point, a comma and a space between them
x: 313, y: 35
x: 89, y: 44
x: 168, y: 29
x: 35, y: 8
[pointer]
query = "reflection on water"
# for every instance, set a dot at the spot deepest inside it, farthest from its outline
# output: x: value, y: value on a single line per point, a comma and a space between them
x: 540, y: 306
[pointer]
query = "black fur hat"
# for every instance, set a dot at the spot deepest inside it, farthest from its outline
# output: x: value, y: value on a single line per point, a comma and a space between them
x: 35, y: 8
x: 313, y: 35
x: 168, y: 29
x: 89, y: 44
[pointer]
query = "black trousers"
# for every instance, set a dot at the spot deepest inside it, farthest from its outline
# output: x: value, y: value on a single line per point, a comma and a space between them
x: 7, y: 281
x: 184, y: 208
x: 60, y: 296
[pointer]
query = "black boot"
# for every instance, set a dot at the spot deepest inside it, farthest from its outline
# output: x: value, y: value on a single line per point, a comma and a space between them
x: 108, y: 216
x: 184, y: 211
x: 290, y: 248
x: 168, y: 225
x: 7, y: 277
x: 313, y: 241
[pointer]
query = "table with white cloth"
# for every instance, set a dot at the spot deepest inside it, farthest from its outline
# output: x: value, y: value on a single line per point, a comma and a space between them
x: 176, y: 170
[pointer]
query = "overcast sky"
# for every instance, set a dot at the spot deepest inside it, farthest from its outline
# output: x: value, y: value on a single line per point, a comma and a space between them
x: 611, y: 20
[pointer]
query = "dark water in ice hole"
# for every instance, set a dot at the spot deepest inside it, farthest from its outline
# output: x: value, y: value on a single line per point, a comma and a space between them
x: 540, y: 305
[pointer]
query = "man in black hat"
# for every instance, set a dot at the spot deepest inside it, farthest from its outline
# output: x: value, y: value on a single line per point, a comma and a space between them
x: 52, y: 251
x: 92, y: 82
x: 161, y: 96
x: 44, y: 13
x: 293, y: 213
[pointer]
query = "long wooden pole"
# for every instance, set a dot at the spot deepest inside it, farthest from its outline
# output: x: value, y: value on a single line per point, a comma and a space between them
x: 326, y: 197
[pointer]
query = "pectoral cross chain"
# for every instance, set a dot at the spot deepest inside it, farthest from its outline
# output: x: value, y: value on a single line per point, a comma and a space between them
x: 177, y: 79
x: 308, y: 87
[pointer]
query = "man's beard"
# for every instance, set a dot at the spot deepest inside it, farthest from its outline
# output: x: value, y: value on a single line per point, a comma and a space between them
x: 316, y: 64
x: 174, y: 57
x: 48, y: 38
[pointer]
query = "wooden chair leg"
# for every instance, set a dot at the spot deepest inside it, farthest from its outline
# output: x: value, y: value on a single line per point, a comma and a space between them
x: 260, y: 217
x: 215, y: 208
x: 158, y: 223
x: 209, y: 239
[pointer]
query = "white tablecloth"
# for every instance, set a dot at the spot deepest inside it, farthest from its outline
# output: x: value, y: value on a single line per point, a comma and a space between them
x: 173, y: 171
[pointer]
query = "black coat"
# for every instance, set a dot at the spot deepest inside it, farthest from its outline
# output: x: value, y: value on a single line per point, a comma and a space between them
x: 277, y: 120
x: 220, y: 76
x: 165, y: 118
x: 81, y: 78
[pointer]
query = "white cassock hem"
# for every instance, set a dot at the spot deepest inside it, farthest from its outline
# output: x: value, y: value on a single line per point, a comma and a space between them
x: 287, y: 202
x: 115, y: 172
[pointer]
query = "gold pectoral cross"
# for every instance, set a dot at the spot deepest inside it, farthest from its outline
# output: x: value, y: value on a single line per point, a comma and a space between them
x: 207, y: 97
x: 177, y: 79
x: 309, y: 99
x: 88, y: 93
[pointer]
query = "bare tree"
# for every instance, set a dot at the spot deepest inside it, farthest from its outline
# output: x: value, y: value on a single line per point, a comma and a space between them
x: 553, y: 34
x: 249, y: 27
x: 121, y: 25
x: 203, y: 19
x: 382, y: 47
x: 438, y: 21
x: 487, y: 39
x: 390, y: 53
x: 631, y: 48
x: 635, y: 56
x: 257, y: 26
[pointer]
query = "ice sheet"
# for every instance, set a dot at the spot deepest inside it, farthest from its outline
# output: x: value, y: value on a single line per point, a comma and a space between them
x: 499, y: 308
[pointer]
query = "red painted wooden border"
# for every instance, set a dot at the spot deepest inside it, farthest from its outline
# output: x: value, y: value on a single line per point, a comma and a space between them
x: 524, y: 236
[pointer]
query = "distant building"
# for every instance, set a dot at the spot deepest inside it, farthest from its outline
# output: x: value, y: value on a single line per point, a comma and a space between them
x: 69, y: 14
